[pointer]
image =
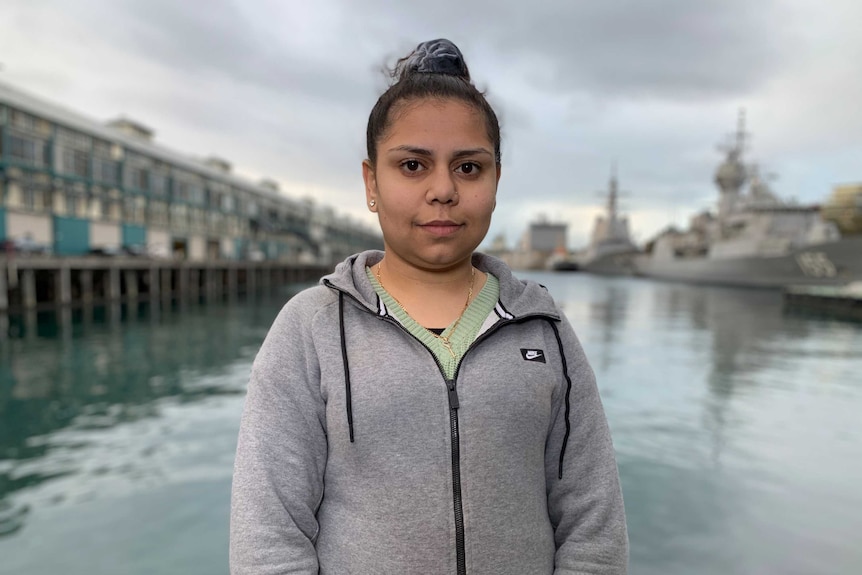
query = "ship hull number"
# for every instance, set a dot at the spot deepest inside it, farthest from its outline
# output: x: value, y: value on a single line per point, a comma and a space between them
x: 816, y: 265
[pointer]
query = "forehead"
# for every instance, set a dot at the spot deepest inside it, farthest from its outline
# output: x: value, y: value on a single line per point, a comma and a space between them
x: 440, y: 120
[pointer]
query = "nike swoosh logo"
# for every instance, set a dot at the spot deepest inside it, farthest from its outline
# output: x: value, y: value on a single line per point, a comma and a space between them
x: 533, y: 355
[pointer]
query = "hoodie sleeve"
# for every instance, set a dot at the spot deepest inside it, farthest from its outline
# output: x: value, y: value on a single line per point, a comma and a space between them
x: 585, y: 504
x: 281, y: 454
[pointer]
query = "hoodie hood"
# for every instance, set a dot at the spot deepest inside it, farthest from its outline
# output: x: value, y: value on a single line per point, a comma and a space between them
x: 518, y: 298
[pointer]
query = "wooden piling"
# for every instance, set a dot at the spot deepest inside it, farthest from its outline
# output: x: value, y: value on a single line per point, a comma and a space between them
x: 154, y: 283
x: 28, y: 288
x: 114, y: 284
x: 167, y: 286
x: 4, y: 291
x: 251, y: 281
x: 131, y: 284
x: 64, y: 285
x: 194, y: 285
x: 232, y: 283
x: 184, y: 281
x: 86, y: 281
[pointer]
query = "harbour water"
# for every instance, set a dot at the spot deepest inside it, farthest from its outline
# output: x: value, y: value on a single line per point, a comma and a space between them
x: 736, y: 424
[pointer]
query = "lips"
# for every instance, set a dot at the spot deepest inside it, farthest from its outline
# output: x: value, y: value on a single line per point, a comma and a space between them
x: 441, y: 227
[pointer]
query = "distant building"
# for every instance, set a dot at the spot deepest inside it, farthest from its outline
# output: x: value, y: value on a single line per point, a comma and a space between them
x: 542, y: 241
x: 75, y: 185
x: 844, y: 208
x: 545, y: 237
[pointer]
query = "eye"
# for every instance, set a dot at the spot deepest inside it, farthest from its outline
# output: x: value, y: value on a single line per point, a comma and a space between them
x: 411, y: 166
x: 468, y: 168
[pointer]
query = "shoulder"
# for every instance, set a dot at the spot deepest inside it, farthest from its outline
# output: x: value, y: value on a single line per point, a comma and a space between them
x: 312, y: 297
x: 304, y: 307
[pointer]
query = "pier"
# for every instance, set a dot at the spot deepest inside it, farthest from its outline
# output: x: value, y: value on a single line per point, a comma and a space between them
x: 35, y: 283
x: 844, y: 302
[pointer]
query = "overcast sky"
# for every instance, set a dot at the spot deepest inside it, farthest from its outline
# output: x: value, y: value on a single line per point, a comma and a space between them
x: 282, y: 89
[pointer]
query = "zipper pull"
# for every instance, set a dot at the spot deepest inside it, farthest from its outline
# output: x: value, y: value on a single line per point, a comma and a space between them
x: 453, y: 394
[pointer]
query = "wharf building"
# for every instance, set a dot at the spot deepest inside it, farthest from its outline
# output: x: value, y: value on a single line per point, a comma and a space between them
x: 73, y: 186
x: 537, y: 248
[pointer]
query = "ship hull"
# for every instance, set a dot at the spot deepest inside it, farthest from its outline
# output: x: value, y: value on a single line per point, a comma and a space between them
x: 833, y: 263
x: 611, y: 265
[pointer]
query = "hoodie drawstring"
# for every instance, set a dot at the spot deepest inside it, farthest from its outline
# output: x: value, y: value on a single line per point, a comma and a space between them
x: 347, y: 366
x: 349, y: 399
x: 568, y: 392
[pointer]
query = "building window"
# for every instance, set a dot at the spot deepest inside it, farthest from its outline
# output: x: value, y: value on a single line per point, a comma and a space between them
x: 157, y: 213
x: 195, y: 194
x: 26, y: 150
x: 28, y: 198
x: 139, y: 179
x: 134, y: 209
x: 105, y: 171
x: 102, y: 149
x: 158, y: 184
x: 181, y: 191
x: 71, y: 204
x: 74, y: 162
x: 179, y: 216
x: 94, y: 209
x: 227, y: 202
x: 70, y: 139
x: 32, y: 198
x: 23, y: 121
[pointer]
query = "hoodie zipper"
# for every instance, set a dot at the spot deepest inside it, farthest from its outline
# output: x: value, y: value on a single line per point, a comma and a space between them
x: 452, y: 392
x: 460, y: 554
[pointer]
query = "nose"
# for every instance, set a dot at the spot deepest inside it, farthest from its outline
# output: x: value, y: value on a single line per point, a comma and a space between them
x: 442, y: 187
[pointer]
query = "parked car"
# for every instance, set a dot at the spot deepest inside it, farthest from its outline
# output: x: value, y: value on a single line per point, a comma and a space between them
x: 104, y: 251
x: 25, y: 246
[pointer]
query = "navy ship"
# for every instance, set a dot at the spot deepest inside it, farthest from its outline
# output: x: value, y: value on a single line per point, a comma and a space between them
x: 754, y: 238
x: 611, y: 250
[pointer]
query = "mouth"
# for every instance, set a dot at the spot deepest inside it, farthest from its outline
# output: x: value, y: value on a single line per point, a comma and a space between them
x: 441, y: 227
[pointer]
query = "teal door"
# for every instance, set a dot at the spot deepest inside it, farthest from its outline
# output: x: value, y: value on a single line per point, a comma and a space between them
x: 71, y: 236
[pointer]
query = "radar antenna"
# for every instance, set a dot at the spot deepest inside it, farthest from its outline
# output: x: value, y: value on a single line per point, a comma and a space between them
x: 737, y: 143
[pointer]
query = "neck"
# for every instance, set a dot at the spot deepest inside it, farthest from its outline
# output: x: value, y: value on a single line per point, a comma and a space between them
x: 409, y: 276
x: 433, y: 298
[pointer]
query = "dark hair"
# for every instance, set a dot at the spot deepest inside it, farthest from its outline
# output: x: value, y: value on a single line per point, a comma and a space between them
x: 435, y: 69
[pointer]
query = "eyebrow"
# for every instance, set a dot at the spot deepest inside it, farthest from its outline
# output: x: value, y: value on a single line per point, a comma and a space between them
x: 425, y: 152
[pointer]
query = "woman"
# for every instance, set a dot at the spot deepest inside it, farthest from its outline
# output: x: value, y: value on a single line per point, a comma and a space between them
x: 423, y: 411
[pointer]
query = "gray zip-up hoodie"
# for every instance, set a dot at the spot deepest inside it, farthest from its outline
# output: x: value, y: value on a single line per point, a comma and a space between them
x: 357, y: 456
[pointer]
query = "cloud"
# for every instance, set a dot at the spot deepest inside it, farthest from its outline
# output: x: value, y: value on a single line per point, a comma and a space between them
x: 283, y: 89
x: 670, y: 49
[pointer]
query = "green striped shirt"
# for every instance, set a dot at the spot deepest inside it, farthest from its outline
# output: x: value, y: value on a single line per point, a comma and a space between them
x: 466, y: 330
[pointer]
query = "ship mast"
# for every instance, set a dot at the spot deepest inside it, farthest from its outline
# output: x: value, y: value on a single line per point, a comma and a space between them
x: 740, y: 133
x: 731, y: 175
x: 613, y: 190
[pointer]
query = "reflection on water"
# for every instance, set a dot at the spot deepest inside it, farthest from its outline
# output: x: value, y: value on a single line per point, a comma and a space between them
x: 735, y: 424
x: 86, y: 398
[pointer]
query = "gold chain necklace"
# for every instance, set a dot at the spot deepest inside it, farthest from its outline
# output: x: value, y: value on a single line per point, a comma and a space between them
x: 443, y: 339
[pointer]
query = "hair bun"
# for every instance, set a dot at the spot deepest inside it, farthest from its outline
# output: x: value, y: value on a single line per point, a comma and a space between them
x: 439, y: 56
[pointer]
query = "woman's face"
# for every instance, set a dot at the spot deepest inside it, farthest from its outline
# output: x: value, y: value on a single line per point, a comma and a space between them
x: 435, y: 183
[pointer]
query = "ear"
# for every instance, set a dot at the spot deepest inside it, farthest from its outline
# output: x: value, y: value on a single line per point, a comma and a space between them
x: 370, y: 179
x: 499, y: 173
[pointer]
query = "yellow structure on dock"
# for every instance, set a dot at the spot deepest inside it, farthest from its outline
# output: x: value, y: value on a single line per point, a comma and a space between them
x: 844, y: 207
